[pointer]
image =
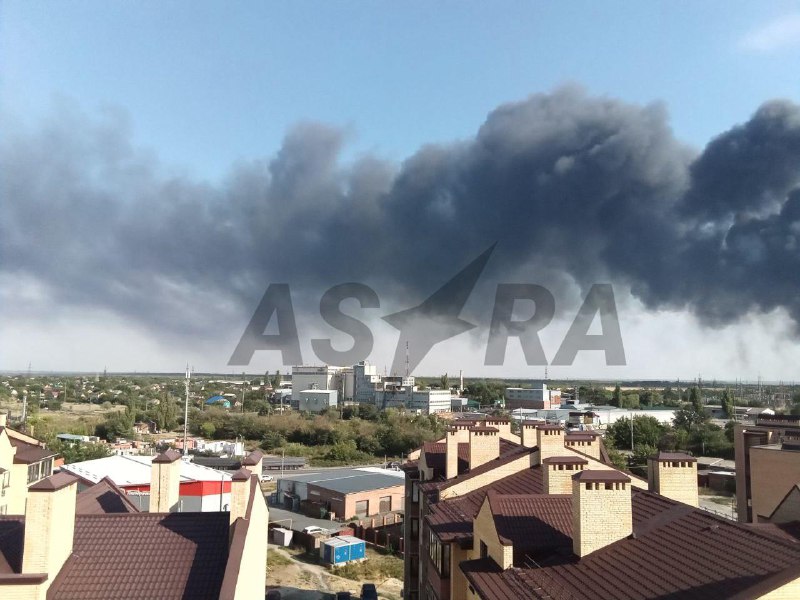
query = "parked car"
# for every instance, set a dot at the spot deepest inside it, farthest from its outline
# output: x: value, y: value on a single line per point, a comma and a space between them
x: 267, y: 478
x: 343, y: 595
x: 368, y: 592
x: 313, y: 529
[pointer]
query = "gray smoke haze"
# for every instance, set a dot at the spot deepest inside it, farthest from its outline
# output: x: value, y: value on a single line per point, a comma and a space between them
x: 570, y: 187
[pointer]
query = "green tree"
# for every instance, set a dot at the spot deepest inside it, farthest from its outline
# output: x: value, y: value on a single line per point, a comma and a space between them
x: 727, y: 404
x: 616, y: 396
x: 444, y: 382
x: 696, y: 399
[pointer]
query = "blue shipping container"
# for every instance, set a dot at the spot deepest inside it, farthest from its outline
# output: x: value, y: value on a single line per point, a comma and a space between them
x: 357, y: 547
x: 339, y: 550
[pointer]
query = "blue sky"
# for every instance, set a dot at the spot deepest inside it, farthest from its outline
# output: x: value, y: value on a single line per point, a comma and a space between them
x: 209, y: 83
x: 198, y: 87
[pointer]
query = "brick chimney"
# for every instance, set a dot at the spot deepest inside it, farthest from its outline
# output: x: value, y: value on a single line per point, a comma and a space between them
x: 674, y: 475
x: 165, y: 480
x: 550, y: 439
x: 557, y: 473
x: 503, y: 424
x: 453, y: 437
x: 240, y: 493
x: 484, y: 445
x: 49, y: 524
x: 601, y: 510
x: 253, y: 462
x: 586, y: 442
x: 527, y: 431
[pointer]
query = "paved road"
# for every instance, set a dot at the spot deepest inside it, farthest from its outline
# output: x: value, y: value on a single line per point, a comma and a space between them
x: 299, y: 522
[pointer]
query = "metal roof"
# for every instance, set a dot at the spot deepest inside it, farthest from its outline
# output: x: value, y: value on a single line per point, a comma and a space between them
x: 346, y: 481
x: 136, y: 470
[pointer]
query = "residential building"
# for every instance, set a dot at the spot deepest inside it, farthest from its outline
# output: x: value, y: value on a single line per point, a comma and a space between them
x: 95, y: 544
x: 544, y: 518
x: 768, y: 469
x: 344, y: 493
x: 24, y: 461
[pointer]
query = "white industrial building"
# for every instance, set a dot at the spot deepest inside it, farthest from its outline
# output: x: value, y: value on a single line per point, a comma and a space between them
x: 316, y: 401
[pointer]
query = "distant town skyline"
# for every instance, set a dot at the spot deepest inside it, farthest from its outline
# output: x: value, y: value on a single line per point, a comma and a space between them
x: 164, y: 164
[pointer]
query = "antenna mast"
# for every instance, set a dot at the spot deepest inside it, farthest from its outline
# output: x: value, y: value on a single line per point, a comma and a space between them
x: 186, y: 411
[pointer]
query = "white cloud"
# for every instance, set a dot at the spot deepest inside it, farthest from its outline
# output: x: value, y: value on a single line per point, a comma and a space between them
x: 780, y: 33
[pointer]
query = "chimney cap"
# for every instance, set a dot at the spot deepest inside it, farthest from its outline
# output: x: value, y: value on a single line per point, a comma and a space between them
x: 170, y: 456
x: 533, y: 422
x: 484, y: 429
x: 565, y: 460
x: 241, y: 475
x: 672, y: 456
x: 605, y: 475
x: 54, y: 482
x: 252, y: 459
x: 547, y: 427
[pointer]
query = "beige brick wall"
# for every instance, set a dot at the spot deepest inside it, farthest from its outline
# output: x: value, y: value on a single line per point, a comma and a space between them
x: 165, y: 479
x: 675, y: 479
x: 453, y: 438
x: 473, y: 483
x: 772, y: 474
x: 558, y: 478
x: 483, y: 447
x: 586, y: 447
x: 600, y: 516
x: 252, y: 571
x: 22, y: 592
x: 483, y: 530
x: 49, y: 531
x: 528, y: 435
x: 550, y: 442
x: 458, y: 581
x: 18, y: 491
x: 790, y: 591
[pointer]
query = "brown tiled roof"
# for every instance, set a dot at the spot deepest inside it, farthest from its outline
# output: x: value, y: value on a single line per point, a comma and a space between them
x: 12, y: 536
x: 145, y: 555
x: 252, y: 459
x: 600, y: 475
x: 532, y: 523
x: 436, y: 455
x: 102, y: 498
x: 167, y: 457
x: 676, y: 552
x: 565, y: 460
x: 672, y: 456
x: 514, y: 452
x: 452, y: 519
x: 30, y: 453
x: 54, y: 482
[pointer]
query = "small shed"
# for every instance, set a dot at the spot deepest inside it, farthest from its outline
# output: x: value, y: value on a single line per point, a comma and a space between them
x: 281, y: 536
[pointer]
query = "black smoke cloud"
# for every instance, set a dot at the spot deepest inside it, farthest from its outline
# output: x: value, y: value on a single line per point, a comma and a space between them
x: 590, y: 189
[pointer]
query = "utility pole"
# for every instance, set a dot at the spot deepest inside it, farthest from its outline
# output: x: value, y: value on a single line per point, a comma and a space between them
x: 243, y: 392
x: 186, y: 411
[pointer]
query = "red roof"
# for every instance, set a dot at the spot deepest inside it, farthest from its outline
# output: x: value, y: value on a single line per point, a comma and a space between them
x: 102, y: 498
x: 676, y: 551
x: 145, y: 555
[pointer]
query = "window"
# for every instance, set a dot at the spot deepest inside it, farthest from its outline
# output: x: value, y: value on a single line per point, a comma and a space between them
x: 362, y: 508
x: 415, y: 491
x: 385, y: 504
x: 414, y: 528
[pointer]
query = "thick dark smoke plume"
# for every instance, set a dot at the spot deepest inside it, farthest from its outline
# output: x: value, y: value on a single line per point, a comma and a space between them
x: 594, y: 188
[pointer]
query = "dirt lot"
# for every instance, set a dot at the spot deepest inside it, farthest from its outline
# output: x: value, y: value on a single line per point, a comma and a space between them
x: 287, y: 568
